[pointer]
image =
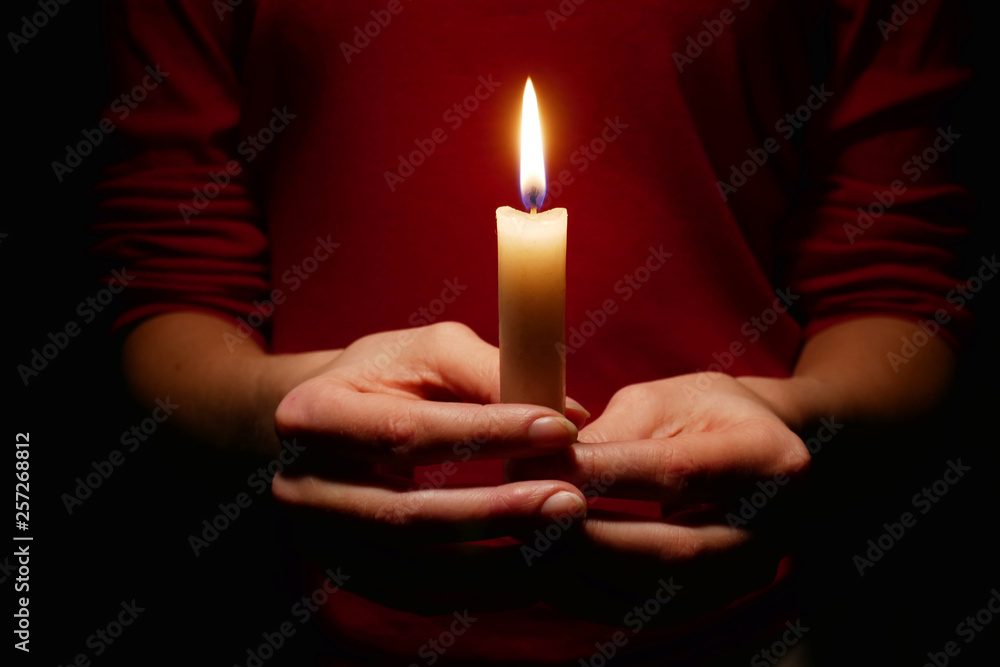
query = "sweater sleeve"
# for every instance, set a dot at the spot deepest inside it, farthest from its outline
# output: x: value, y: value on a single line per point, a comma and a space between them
x: 178, y: 212
x: 878, y: 231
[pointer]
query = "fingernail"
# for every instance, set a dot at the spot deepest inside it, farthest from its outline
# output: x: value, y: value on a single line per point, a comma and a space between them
x: 563, y: 503
x: 570, y: 403
x: 552, y: 432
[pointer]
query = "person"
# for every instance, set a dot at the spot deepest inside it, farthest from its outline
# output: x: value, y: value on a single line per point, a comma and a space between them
x: 762, y: 222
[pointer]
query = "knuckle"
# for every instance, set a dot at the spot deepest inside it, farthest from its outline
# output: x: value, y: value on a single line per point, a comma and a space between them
x: 367, y: 339
x: 583, y: 461
x: 796, y: 460
x: 789, y: 453
x: 288, y: 417
x: 307, y: 406
x: 399, y: 433
x: 642, y: 398
x: 675, y: 466
x: 449, y: 331
x: 627, y: 393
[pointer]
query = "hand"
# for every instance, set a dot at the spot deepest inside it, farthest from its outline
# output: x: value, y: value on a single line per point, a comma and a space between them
x: 696, y: 444
x: 394, y: 400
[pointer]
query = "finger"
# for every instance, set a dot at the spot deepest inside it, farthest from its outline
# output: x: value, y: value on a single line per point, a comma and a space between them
x: 684, y: 469
x: 381, y: 427
x: 434, y: 515
x: 444, y: 360
x: 576, y: 413
x: 663, y: 541
x: 466, y: 365
x: 449, y: 361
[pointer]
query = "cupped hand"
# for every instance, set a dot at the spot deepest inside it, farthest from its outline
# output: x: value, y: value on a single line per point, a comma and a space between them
x: 395, y: 400
x: 696, y: 444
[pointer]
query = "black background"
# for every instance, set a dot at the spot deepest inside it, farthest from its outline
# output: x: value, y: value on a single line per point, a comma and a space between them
x: 129, y: 540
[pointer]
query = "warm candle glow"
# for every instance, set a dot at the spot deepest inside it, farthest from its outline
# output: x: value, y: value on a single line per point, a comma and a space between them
x: 531, y: 272
x: 532, y: 162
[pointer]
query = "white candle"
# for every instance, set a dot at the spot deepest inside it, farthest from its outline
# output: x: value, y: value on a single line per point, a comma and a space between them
x: 532, y: 276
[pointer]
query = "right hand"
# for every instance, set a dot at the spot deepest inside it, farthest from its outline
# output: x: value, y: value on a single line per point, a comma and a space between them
x: 362, y: 419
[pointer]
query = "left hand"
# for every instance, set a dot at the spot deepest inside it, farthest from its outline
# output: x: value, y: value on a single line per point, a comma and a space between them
x: 695, y: 443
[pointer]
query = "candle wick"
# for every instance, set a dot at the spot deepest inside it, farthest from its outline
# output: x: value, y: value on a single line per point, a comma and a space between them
x: 534, y: 210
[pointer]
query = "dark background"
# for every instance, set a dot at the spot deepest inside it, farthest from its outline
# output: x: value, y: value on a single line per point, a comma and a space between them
x: 129, y: 540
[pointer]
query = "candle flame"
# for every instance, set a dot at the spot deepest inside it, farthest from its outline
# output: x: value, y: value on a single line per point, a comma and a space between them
x: 532, y: 162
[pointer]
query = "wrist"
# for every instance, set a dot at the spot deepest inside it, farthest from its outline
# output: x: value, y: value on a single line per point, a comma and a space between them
x: 278, y: 374
x: 799, y: 401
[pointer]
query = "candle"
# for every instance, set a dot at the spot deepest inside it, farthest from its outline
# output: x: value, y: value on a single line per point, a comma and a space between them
x: 531, y: 251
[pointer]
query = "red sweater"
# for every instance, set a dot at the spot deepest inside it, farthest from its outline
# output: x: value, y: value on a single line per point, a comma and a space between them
x: 341, y: 166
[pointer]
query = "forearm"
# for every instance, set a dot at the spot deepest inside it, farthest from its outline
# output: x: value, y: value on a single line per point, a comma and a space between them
x: 845, y: 371
x: 227, y: 393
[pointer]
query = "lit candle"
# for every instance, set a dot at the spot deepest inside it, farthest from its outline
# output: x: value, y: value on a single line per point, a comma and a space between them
x: 532, y: 274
